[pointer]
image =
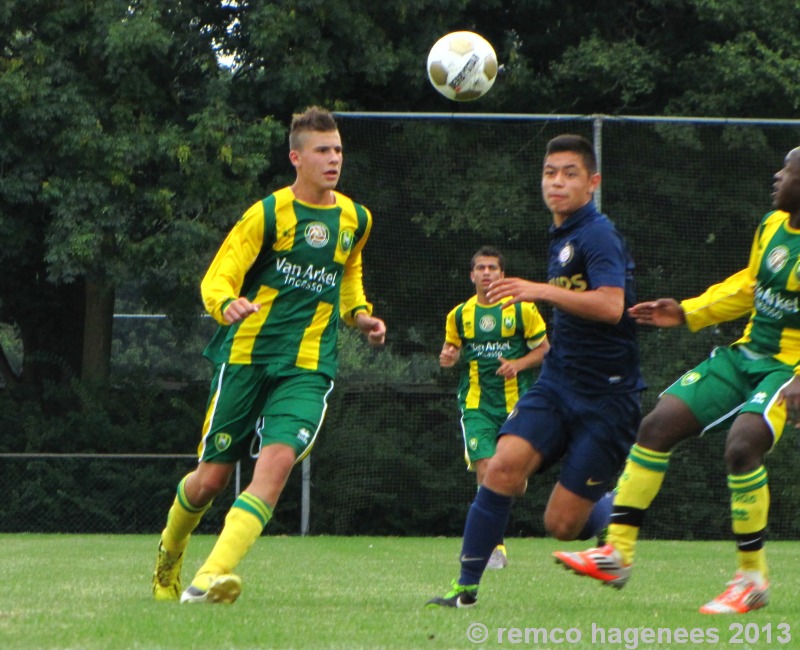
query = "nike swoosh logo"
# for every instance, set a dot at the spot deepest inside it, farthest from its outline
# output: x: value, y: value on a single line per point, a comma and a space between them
x: 752, y: 542
x: 591, y: 481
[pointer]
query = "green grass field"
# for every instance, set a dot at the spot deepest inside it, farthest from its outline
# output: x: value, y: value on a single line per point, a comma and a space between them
x: 93, y: 591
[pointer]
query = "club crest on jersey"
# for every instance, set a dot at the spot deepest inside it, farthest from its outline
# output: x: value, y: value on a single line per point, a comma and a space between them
x: 346, y: 238
x: 690, y: 378
x: 777, y: 257
x: 317, y: 234
x: 222, y: 441
x: 566, y: 254
x: 509, y: 322
x: 473, y: 443
x: 487, y: 323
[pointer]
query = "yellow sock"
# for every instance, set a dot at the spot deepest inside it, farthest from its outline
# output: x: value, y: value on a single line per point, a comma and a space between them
x: 637, y: 487
x: 182, y: 519
x: 243, y: 525
x: 749, y: 514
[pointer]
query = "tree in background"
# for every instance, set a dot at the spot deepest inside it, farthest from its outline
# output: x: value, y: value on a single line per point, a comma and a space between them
x: 122, y: 157
x: 646, y: 57
x: 128, y: 149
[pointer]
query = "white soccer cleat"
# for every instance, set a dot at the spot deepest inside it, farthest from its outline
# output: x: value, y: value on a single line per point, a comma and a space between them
x: 213, y: 589
x: 499, y: 558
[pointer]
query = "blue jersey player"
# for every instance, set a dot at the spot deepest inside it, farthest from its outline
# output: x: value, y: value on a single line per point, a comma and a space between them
x: 584, y: 409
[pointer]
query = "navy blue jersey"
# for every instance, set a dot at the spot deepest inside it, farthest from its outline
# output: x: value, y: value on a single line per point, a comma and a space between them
x: 587, y: 252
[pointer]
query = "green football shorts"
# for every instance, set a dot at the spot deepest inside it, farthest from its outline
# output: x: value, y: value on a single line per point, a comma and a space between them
x: 479, y: 429
x: 250, y: 408
x: 730, y: 382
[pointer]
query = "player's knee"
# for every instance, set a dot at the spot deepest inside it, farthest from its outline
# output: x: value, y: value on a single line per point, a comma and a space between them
x: 564, y: 529
x: 205, y: 486
x: 741, y: 456
x: 504, y: 477
x: 651, y: 431
x: 748, y: 441
x: 667, y: 424
x: 658, y: 432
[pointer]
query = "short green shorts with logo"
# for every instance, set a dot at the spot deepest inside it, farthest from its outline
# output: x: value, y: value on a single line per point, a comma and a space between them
x: 733, y: 381
x: 252, y: 406
x: 479, y: 428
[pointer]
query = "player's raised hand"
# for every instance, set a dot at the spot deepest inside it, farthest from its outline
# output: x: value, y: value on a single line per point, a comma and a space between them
x: 449, y: 355
x: 514, y: 290
x: 664, y: 312
x: 239, y: 309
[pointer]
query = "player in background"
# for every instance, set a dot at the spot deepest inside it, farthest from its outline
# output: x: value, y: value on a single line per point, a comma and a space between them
x: 501, y: 347
x: 584, y: 407
x: 750, y: 388
x: 285, y: 274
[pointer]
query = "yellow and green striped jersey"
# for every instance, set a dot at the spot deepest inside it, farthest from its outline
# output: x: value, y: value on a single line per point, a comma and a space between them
x: 302, y: 263
x: 769, y: 289
x: 484, y: 333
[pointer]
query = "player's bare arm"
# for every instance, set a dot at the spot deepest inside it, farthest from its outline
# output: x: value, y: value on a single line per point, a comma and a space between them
x: 449, y: 355
x: 239, y: 309
x: 664, y: 312
x: 510, y: 368
x: 373, y: 328
x: 604, y: 304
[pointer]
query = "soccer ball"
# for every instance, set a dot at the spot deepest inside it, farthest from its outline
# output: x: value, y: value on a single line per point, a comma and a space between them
x: 462, y: 66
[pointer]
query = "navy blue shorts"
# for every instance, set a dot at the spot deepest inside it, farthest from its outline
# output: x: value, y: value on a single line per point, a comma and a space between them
x: 592, y: 434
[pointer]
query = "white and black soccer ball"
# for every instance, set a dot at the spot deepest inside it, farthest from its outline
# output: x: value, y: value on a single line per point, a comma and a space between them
x: 462, y: 66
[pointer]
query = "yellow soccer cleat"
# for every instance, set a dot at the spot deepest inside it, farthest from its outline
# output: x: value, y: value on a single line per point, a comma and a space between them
x: 167, y: 575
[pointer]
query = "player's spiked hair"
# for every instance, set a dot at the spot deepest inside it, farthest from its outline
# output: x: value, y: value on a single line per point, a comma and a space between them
x: 575, y: 144
x: 489, y: 251
x: 313, y: 118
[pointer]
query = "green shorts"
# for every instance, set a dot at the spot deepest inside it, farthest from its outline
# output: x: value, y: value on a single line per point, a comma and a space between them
x: 479, y: 429
x: 250, y: 408
x: 730, y: 382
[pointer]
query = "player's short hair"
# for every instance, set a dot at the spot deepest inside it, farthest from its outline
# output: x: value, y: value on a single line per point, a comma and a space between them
x: 575, y: 144
x: 313, y: 118
x: 489, y: 251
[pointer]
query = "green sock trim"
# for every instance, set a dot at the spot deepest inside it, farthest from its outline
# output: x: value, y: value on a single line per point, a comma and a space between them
x: 184, y: 502
x: 656, y: 461
x: 741, y: 483
x: 255, y: 506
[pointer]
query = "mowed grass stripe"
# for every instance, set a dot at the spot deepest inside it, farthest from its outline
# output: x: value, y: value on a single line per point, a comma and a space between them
x: 93, y: 592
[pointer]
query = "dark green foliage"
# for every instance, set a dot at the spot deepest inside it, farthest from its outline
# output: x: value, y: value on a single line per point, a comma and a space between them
x: 124, y: 163
x: 387, y: 462
x: 128, y: 151
x: 375, y: 470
